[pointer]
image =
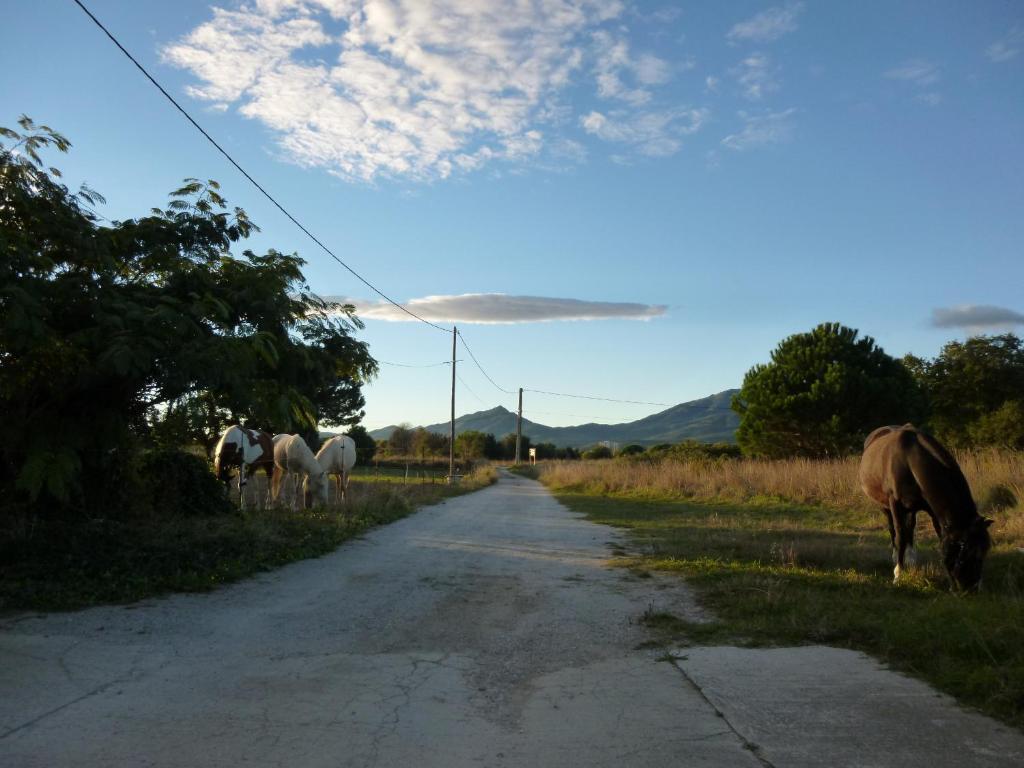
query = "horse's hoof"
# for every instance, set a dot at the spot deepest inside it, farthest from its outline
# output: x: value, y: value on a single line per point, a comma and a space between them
x: 896, y: 574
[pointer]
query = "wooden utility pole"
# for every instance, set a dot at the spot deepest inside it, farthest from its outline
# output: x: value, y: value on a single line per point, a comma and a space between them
x: 451, y: 444
x: 519, y: 428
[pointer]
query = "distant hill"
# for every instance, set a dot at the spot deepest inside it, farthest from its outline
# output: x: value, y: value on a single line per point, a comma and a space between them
x: 708, y: 420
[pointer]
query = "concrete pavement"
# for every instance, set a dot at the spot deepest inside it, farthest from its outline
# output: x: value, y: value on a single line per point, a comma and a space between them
x: 484, y: 631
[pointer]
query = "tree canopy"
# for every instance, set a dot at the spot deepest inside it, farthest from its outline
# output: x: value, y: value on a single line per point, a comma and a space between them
x: 821, y: 394
x: 975, y: 390
x: 114, y: 332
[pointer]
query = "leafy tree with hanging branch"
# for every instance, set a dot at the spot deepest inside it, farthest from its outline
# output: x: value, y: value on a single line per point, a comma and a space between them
x: 117, y: 335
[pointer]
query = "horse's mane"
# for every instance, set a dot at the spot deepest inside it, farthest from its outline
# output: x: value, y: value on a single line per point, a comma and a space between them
x: 936, y: 471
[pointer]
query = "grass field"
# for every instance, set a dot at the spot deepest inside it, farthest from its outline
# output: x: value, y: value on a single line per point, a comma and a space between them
x: 59, y: 565
x: 788, y: 553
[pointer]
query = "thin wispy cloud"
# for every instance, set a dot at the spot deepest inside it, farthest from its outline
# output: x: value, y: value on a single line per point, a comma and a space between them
x: 918, y: 72
x: 921, y: 75
x: 499, y: 308
x: 976, y: 318
x: 652, y: 133
x: 756, y: 76
x: 1008, y: 47
x: 761, y: 130
x: 423, y: 89
x: 768, y: 25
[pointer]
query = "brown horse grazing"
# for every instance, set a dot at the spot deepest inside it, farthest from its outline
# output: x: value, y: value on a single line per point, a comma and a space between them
x: 906, y: 471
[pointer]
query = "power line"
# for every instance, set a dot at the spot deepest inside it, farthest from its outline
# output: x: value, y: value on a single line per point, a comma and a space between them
x: 468, y: 389
x: 463, y: 340
x: 418, y: 365
x: 245, y: 173
x: 588, y: 397
x: 316, y: 240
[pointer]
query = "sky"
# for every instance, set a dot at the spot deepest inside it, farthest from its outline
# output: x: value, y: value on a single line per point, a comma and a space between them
x: 630, y: 200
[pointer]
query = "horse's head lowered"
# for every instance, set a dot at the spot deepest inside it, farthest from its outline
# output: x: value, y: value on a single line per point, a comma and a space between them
x: 963, y: 553
x: 314, y: 489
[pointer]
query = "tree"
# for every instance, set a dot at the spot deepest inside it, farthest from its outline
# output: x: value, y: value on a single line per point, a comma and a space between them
x: 631, y: 450
x: 400, y: 441
x: 508, y: 447
x: 821, y: 394
x: 976, y: 391
x: 546, y: 451
x: 366, y: 446
x: 113, y: 335
x: 598, y: 452
x: 473, y: 444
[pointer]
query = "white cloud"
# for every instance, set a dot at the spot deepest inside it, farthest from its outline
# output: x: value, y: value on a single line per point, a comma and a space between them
x: 1007, y: 48
x: 711, y: 83
x: 756, y: 76
x: 499, y: 308
x: 761, y: 130
x: 653, y: 133
x: 413, y: 88
x: 976, y: 317
x: 613, y: 63
x: 919, y: 72
x: 768, y: 25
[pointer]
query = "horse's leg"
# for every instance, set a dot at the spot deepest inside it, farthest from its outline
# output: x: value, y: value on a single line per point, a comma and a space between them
x: 241, y: 485
x: 892, y: 532
x: 899, y: 523
x: 911, y: 556
x: 275, y: 483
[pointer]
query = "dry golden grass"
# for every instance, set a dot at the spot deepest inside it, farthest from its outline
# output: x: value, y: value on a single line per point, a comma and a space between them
x: 996, y: 478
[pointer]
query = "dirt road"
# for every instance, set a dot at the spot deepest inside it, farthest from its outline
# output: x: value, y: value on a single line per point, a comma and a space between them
x: 485, y: 631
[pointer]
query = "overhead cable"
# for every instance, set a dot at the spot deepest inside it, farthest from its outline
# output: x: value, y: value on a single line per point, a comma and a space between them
x: 418, y: 365
x: 589, y: 397
x: 463, y: 340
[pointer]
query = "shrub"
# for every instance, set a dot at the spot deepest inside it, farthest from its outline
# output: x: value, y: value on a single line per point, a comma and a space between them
x: 997, y: 498
x: 181, y: 484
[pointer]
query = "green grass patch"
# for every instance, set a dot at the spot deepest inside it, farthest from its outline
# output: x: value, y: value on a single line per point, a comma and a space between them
x: 778, y: 574
x: 62, y: 565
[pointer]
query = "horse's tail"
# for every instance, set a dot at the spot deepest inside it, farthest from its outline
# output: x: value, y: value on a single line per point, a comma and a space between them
x: 218, y: 456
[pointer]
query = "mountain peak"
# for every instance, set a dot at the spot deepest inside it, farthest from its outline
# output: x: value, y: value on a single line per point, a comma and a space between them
x: 709, y: 419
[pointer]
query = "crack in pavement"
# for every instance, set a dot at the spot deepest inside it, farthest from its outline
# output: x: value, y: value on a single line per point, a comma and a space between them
x: 746, y: 743
x: 49, y: 713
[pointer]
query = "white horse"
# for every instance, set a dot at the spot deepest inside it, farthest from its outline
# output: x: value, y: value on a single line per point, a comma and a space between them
x: 248, y: 450
x: 292, y: 455
x: 337, y: 456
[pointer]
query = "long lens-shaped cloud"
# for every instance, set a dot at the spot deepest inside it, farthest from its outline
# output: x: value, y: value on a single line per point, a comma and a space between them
x: 976, y: 317
x: 497, y: 308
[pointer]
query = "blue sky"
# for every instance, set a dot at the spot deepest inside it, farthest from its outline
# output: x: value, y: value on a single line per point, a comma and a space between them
x: 742, y: 171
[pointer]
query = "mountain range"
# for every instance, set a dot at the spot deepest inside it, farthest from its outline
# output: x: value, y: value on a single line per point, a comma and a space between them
x: 709, y: 420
